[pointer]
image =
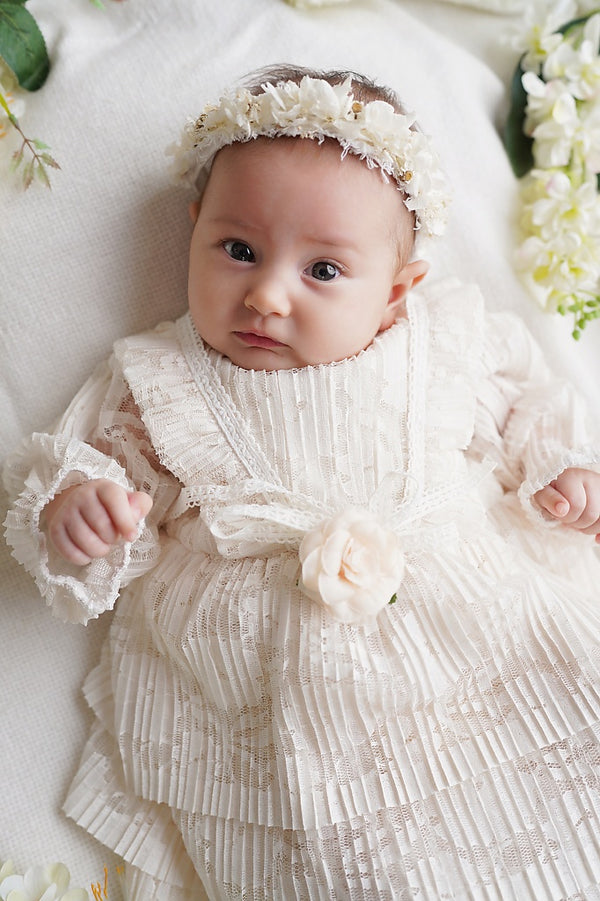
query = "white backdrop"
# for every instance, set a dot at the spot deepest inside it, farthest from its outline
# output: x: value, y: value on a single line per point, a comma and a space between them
x: 104, y: 254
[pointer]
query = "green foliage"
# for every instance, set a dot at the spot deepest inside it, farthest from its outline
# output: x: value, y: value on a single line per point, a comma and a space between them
x: 574, y: 24
x: 519, y: 146
x: 22, y: 45
x: 23, y: 49
x: 583, y: 311
x: 34, y: 166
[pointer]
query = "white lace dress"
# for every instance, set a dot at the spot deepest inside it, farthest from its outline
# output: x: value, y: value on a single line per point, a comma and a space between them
x: 449, y: 748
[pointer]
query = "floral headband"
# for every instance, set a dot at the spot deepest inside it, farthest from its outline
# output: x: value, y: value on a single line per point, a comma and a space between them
x: 313, y: 108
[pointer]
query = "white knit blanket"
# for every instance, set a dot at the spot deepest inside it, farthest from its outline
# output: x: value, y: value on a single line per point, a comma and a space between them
x: 104, y: 254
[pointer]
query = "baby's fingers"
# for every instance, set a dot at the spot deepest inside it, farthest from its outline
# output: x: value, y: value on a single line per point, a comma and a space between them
x: 85, y: 521
x: 119, y: 510
x: 574, y: 498
x: 76, y: 539
x: 589, y: 521
x: 141, y: 504
x: 553, y: 502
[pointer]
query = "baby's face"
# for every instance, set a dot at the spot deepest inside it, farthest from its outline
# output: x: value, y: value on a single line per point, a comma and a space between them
x: 294, y: 258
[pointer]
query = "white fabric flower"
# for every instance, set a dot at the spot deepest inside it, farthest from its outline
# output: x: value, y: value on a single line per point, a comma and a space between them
x: 562, y: 207
x: 578, y: 66
x: 537, y: 34
x: 552, y: 120
x: 352, y: 565
x: 547, y: 100
x: 559, y: 257
x: 40, y: 883
x: 587, y: 143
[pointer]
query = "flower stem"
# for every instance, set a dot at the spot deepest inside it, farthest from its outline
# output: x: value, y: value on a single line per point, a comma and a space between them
x: 40, y: 158
x: 5, y: 106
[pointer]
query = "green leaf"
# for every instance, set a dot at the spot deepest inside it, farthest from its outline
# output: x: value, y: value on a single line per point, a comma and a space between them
x: 518, y: 146
x: 49, y: 160
x: 17, y: 157
x: 42, y: 176
x: 22, y: 45
x: 576, y: 23
x: 28, y: 173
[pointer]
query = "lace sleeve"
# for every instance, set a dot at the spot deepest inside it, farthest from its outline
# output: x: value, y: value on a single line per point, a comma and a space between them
x: 532, y: 424
x: 101, y: 435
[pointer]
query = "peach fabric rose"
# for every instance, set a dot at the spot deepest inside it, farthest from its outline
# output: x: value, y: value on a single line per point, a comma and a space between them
x: 352, y: 565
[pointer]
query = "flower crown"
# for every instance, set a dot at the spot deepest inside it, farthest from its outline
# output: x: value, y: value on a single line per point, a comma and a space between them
x: 314, y: 108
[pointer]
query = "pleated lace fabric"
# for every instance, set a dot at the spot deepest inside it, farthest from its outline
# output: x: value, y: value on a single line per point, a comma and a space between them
x: 449, y: 748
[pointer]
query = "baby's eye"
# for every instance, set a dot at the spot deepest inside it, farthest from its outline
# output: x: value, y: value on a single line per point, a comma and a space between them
x: 324, y: 271
x: 240, y: 251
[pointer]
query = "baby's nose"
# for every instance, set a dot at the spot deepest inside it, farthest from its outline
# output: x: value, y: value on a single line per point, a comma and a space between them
x: 268, y: 295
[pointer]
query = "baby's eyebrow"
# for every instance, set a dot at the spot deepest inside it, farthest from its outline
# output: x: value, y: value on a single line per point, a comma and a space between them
x: 335, y: 241
x: 340, y: 241
x: 231, y: 222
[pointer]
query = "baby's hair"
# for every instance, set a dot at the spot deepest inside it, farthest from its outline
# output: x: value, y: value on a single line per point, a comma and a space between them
x: 363, y: 88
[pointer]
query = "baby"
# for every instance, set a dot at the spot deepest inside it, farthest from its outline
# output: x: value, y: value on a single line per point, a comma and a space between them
x: 345, y: 663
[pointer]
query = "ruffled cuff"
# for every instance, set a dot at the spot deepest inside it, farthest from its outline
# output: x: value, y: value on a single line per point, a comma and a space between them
x: 74, y: 593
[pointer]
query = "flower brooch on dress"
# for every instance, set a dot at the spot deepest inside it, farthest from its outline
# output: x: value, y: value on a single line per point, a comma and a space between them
x: 352, y: 565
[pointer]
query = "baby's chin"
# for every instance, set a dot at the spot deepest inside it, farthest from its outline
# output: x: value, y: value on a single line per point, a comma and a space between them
x: 260, y: 359
x: 250, y: 353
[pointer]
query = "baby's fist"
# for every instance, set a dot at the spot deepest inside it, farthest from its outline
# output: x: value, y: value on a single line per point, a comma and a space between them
x: 85, y: 521
x: 573, y: 498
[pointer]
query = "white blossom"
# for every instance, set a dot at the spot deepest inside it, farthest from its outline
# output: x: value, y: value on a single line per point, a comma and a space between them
x: 559, y: 256
x: 537, y: 32
x: 577, y: 65
x: 39, y: 883
x: 564, y: 207
x: 546, y: 101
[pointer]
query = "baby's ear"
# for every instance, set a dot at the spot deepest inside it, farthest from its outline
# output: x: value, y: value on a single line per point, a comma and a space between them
x: 194, y: 210
x: 406, y: 279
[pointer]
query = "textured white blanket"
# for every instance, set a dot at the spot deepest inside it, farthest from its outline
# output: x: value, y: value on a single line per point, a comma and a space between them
x: 104, y: 254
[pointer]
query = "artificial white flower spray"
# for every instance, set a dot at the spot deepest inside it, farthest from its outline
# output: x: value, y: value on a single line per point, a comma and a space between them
x: 553, y: 140
x: 49, y: 882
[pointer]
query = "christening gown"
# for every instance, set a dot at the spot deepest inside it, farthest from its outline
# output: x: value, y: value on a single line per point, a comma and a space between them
x: 245, y: 739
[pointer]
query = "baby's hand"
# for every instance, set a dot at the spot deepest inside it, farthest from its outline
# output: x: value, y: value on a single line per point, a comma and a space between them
x: 83, y: 522
x: 574, y: 499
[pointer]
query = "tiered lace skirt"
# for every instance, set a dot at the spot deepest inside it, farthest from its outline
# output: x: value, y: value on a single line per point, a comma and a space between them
x: 450, y: 750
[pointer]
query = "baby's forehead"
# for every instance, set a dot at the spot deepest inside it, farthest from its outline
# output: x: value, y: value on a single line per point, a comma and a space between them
x: 324, y: 166
x: 309, y: 161
x: 325, y: 157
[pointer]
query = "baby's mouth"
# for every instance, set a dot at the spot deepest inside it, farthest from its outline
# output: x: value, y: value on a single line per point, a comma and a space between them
x: 255, y: 339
